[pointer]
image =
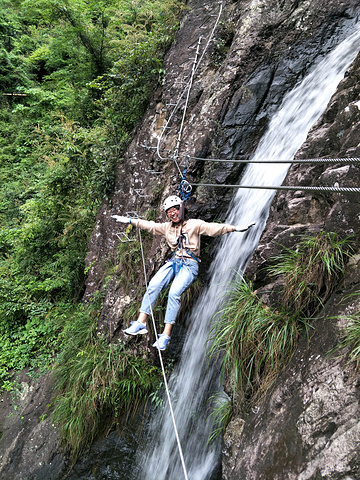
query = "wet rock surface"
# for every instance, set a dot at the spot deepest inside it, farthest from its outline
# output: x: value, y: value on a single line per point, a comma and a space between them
x: 30, y: 442
x: 307, y: 427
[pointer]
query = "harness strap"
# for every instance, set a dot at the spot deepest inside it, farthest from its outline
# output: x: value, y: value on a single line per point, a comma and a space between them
x: 191, y: 254
x: 174, y: 266
x: 180, y: 246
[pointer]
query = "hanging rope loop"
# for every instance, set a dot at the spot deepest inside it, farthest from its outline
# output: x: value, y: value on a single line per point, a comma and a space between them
x: 185, y: 190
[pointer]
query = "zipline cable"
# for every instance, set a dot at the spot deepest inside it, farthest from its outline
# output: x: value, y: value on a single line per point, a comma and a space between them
x: 245, y: 160
x: 162, y: 365
x: 284, y: 187
x: 305, y: 160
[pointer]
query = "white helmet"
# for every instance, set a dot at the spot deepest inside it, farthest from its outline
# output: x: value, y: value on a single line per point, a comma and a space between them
x: 172, y: 201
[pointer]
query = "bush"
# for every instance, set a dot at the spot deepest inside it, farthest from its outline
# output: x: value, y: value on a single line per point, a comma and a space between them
x: 84, y: 76
x: 96, y: 382
x: 253, y: 343
x: 311, y: 271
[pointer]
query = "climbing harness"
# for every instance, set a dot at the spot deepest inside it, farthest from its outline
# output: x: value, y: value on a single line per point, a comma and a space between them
x: 180, y: 247
x: 162, y: 365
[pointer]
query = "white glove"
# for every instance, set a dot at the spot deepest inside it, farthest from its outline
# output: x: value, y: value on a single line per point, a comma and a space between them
x: 121, y: 219
x: 240, y: 228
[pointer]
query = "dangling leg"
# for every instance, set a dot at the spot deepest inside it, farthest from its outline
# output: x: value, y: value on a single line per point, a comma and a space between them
x: 159, y: 281
x: 184, y: 278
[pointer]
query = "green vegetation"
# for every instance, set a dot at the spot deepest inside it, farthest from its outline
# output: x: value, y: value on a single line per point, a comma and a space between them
x: 75, y: 78
x: 224, y: 36
x: 222, y: 410
x: 97, y: 382
x: 311, y: 271
x: 254, y: 342
x: 349, y: 344
x: 351, y: 338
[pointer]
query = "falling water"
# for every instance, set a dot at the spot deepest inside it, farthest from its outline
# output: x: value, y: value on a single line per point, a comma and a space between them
x: 191, y: 382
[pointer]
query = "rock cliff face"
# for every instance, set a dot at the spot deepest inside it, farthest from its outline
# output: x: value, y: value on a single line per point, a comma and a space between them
x: 307, y: 426
x: 259, y: 51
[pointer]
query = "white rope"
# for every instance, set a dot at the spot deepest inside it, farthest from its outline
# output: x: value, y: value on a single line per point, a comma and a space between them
x: 162, y: 365
x: 211, y: 34
x: 187, y: 100
x: 187, y: 88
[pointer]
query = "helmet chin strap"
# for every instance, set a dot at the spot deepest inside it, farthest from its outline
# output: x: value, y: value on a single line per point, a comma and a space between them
x: 182, y: 212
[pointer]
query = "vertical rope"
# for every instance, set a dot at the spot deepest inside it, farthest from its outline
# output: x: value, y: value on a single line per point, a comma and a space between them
x: 162, y: 366
x: 176, y: 154
x: 196, y: 65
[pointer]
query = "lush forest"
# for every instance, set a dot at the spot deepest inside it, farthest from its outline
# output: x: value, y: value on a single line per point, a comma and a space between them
x: 75, y: 78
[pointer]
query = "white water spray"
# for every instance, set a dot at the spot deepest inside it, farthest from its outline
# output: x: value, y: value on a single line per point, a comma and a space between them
x: 191, y: 381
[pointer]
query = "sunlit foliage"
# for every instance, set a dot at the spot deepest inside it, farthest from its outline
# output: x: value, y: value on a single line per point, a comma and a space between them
x: 75, y: 78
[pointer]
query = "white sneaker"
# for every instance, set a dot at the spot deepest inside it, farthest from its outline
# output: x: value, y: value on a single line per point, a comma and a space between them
x: 136, y: 328
x: 162, y: 341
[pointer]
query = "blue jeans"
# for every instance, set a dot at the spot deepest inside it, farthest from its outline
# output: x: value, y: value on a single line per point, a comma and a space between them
x: 183, y: 273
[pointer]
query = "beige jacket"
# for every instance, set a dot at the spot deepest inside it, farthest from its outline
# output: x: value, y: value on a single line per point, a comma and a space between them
x: 192, y: 230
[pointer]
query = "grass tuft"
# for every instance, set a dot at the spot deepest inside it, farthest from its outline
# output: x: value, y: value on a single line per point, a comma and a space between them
x: 220, y: 415
x: 253, y: 342
x: 311, y: 271
x: 349, y: 344
x: 97, y: 383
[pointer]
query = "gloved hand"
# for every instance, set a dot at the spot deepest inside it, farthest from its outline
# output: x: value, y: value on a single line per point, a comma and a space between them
x: 241, y: 228
x: 121, y: 219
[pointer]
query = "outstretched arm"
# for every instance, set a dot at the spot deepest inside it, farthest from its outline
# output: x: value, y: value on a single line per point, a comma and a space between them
x: 215, y: 229
x: 152, y: 227
x: 243, y: 228
x: 121, y: 219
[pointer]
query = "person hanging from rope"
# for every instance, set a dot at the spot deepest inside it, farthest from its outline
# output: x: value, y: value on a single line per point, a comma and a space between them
x: 183, y: 237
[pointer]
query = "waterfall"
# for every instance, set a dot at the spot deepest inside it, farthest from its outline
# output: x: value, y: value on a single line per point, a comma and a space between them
x: 192, y: 379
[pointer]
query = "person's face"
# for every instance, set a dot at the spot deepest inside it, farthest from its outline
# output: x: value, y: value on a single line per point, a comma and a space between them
x: 173, y: 214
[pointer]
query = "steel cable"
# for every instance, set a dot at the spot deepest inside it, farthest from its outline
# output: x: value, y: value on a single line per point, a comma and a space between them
x: 282, y: 187
x: 305, y: 160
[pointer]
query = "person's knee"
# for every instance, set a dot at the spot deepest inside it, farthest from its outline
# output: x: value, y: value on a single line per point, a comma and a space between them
x: 174, y: 295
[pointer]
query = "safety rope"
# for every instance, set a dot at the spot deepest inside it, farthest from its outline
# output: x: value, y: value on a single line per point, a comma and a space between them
x: 176, y: 154
x: 162, y: 364
x: 211, y: 34
x: 290, y: 187
x: 187, y: 89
